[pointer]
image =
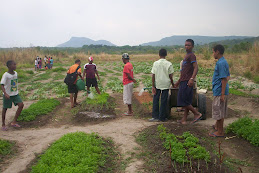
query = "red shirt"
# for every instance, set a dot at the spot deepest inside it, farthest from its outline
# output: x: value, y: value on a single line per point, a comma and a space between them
x: 187, y: 67
x: 128, y: 68
x: 90, y: 70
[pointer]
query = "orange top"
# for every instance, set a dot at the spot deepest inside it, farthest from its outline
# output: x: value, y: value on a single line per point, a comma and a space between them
x: 72, y: 69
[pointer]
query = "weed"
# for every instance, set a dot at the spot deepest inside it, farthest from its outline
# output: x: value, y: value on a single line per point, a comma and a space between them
x: 5, y: 148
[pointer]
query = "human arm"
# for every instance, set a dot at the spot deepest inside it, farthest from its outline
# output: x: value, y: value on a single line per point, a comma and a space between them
x: 84, y: 74
x: 224, y: 82
x: 153, y: 84
x: 96, y: 72
x: 195, y: 71
x: 5, y: 94
x: 171, y: 79
x: 130, y: 78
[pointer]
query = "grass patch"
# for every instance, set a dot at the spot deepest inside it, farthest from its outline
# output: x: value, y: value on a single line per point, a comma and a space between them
x: 246, y: 128
x: 75, y: 152
x: 59, y: 69
x: 240, y: 93
x: 5, y: 148
x: 41, y: 107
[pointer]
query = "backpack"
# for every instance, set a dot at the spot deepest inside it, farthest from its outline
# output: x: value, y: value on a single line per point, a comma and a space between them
x: 71, y: 78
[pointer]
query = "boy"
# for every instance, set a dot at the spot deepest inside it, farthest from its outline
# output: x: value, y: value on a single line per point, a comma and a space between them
x: 72, y: 88
x: 186, y: 82
x: 128, y: 81
x: 51, y: 62
x: 220, y: 90
x: 162, y: 77
x: 9, y: 85
x: 90, y: 71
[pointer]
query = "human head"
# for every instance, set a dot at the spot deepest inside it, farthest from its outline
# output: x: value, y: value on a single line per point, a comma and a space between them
x: 162, y: 53
x: 218, y: 51
x: 90, y: 59
x: 125, y: 58
x: 51, y: 57
x: 78, y: 61
x: 189, y: 45
x: 11, y: 65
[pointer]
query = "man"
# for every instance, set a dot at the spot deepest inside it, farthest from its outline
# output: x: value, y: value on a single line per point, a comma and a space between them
x: 186, y: 82
x: 220, y: 90
x: 162, y: 78
x: 128, y: 81
x: 72, y: 89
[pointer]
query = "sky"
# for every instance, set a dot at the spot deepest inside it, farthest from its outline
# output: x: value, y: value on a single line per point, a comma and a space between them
x: 25, y: 23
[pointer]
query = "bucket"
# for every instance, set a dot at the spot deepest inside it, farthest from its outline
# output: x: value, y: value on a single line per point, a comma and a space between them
x: 80, y: 84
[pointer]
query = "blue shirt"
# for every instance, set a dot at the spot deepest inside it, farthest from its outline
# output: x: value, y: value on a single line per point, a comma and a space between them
x: 51, y: 61
x: 221, y: 71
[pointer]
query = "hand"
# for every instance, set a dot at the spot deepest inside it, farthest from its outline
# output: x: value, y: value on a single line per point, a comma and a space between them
x: 190, y: 83
x: 176, y: 84
x: 98, y: 78
x: 134, y: 80
x: 7, y: 96
x: 153, y: 91
x: 222, y: 98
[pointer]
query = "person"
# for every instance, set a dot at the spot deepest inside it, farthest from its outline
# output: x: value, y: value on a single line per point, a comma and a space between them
x: 9, y: 85
x: 46, y: 68
x: 162, y: 78
x: 90, y: 71
x: 40, y: 63
x: 51, y: 62
x: 72, y: 89
x: 186, y: 83
x: 220, y: 90
x: 45, y: 60
x: 36, y: 64
x: 48, y: 65
x: 128, y: 81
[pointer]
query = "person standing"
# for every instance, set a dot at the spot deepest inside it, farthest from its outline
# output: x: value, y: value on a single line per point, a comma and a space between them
x: 40, y: 63
x: 9, y: 85
x: 162, y: 77
x: 72, y: 89
x: 186, y: 83
x: 220, y: 90
x: 128, y: 81
x: 45, y: 60
x: 51, y: 62
x: 90, y: 71
x: 36, y: 64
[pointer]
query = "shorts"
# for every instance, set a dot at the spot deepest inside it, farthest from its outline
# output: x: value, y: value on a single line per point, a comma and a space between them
x: 127, y: 93
x: 91, y: 82
x: 185, y: 94
x: 219, y: 109
x: 72, y: 89
x: 7, y: 103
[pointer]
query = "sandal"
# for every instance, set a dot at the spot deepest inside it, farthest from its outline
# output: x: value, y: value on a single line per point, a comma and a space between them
x: 4, y: 128
x: 15, y: 125
x: 197, y: 119
x: 215, y: 136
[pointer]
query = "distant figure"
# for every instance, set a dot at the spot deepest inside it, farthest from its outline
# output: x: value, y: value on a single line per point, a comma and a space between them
x: 162, y: 78
x: 186, y: 82
x: 90, y: 71
x: 128, y: 81
x: 48, y: 65
x: 9, y: 85
x: 220, y: 90
x: 45, y: 59
x: 36, y: 64
x: 51, y: 62
x: 40, y: 63
x: 72, y: 89
x: 46, y: 68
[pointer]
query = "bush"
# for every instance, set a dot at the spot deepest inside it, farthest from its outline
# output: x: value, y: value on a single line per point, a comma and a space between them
x: 74, y: 152
x: 41, y: 107
x: 246, y: 128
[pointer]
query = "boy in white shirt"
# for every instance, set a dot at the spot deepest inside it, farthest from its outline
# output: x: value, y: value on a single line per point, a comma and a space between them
x: 9, y: 85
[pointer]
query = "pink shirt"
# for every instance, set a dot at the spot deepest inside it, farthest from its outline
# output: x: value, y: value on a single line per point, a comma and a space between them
x: 128, y: 68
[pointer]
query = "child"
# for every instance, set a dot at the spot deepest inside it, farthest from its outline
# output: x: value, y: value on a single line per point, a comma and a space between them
x: 72, y: 89
x: 9, y: 85
x: 162, y: 78
x: 220, y: 90
x: 90, y: 71
x: 186, y: 82
x: 128, y: 81
x: 51, y: 62
x: 36, y: 64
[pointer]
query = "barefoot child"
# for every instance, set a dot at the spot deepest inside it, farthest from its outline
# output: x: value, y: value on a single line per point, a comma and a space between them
x: 128, y: 81
x: 9, y: 85
x: 186, y: 82
x: 220, y: 90
x: 90, y: 71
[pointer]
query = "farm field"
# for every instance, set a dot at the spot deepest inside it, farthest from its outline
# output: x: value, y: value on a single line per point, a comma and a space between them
x: 137, y: 145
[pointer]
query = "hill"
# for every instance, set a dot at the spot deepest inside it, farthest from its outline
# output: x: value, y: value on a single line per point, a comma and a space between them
x: 81, y: 41
x: 233, y: 42
x: 199, y: 40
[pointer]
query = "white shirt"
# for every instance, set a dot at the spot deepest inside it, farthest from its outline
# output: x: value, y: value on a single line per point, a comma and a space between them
x: 10, y: 82
x: 45, y: 59
x: 36, y: 62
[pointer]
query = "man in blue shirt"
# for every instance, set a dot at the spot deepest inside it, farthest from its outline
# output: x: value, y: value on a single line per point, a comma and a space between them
x: 220, y: 90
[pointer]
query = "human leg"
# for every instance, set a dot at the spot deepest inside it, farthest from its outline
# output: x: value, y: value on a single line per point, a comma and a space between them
x: 155, y: 111
x: 163, y: 106
x: 3, y: 116
x: 18, y: 112
x: 75, y: 97
x: 72, y: 99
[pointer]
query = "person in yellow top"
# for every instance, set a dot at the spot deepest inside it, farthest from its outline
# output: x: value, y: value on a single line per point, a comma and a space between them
x: 72, y: 88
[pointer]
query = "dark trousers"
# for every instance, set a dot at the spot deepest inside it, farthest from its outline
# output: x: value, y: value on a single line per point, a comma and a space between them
x: 156, y: 113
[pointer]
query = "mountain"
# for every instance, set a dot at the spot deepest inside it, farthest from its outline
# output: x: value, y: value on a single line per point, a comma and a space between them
x: 81, y: 41
x: 180, y: 40
x: 236, y: 41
